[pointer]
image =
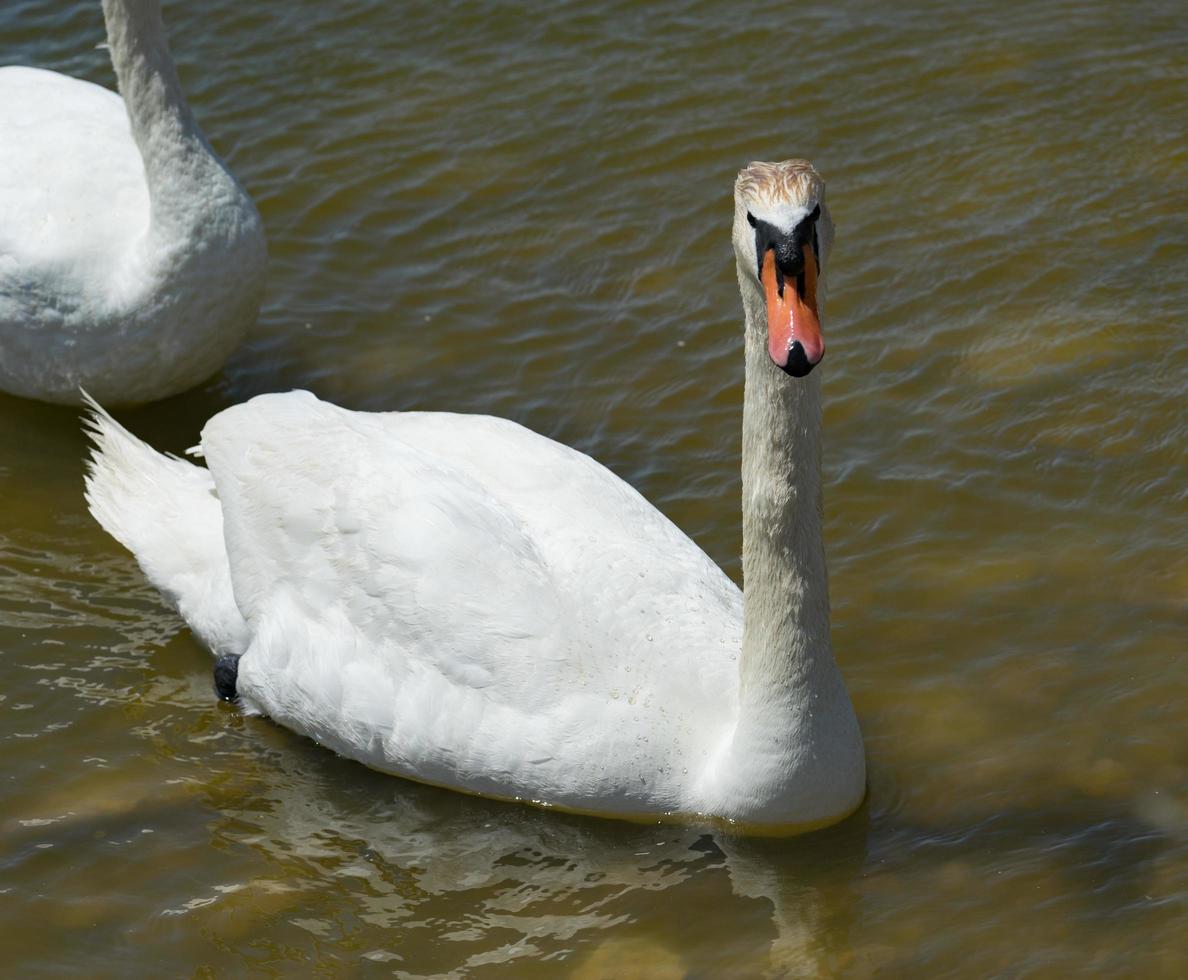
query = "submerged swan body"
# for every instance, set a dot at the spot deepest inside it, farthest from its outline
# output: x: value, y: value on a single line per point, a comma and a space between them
x: 131, y: 261
x: 461, y: 601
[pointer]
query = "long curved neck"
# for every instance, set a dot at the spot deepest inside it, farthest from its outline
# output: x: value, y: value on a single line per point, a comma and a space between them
x: 785, y: 644
x: 795, y: 753
x: 177, y: 159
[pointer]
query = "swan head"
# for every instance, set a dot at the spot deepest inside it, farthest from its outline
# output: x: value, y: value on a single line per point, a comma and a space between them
x: 782, y: 237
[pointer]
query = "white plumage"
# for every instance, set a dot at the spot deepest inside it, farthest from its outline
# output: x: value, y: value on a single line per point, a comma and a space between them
x: 462, y: 601
x: 131, y: 262
x: 450, y: 597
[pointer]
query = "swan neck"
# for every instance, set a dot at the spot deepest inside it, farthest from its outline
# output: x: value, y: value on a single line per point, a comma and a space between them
x: 795, y: 754
x: 786, y: 653
x: 175, y: 153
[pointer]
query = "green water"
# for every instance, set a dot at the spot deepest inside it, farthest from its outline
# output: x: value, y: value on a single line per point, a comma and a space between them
x: 524, y: 210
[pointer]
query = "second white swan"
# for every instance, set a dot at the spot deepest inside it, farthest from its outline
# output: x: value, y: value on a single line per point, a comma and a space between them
x: 131, y: 261
x: 459, y: 600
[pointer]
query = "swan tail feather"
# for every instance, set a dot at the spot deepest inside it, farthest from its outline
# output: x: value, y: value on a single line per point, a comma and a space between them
x: 165, y: 511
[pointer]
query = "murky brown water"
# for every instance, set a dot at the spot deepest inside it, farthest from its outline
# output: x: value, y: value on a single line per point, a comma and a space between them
x: 525, y: 211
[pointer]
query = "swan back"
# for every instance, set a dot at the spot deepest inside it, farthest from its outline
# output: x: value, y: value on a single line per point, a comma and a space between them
x: 436, y: 594
x: 83, y: 211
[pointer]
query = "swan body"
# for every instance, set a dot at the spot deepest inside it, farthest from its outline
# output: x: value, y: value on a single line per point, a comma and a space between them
x: 459, y: 600
x: 131, y: 261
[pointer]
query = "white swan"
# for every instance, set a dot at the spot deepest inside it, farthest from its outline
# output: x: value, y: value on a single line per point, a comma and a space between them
x: 131, y: 262
x: 459, y: 600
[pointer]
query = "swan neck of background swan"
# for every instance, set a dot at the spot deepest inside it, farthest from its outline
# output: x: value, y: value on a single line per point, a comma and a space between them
x: 180, y: 167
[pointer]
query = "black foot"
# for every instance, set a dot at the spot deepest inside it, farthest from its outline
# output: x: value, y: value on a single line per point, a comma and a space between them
x: 226, y: 671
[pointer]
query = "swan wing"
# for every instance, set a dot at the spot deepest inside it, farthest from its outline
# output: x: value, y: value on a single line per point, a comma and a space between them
x: 461, y: 600
x: 347, y: 526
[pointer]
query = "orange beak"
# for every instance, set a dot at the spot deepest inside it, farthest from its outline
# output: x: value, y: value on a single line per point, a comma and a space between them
x: 792, y: 316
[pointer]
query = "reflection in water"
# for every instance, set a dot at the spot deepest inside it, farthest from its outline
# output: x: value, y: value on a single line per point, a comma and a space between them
x: 486, y: 883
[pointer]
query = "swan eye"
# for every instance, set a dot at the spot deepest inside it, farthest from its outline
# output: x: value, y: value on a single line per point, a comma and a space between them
x: 750, y: 219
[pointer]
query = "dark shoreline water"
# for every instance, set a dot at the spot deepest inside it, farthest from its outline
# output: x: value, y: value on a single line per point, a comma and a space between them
x: 524, y: 210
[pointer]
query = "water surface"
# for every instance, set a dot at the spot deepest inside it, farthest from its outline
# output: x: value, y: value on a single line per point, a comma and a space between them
x: 523, y: 209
